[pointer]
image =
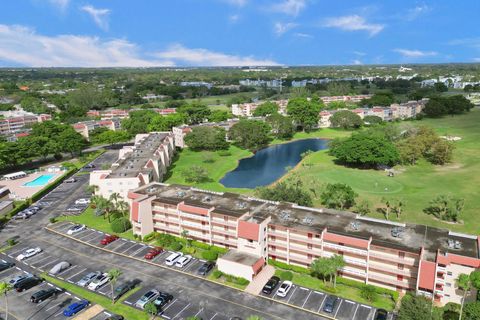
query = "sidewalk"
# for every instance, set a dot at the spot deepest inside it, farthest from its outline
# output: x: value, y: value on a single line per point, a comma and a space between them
x: 255, y: 287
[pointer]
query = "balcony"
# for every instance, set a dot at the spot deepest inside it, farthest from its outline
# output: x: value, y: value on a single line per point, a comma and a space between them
x: 354, y: 272
x: 344, y: 248
x: 305, y: 239
x: 199, y: 226
x: 355, y: 262
x: 390, y: 257
x: 194, y: 216
x: 392, y: 281
x: 389, y: 268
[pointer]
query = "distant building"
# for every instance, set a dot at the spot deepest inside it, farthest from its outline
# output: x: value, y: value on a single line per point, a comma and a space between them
x: 276, y: 83
x: 124, y: 114
x: 196, y: 84
x: 85, y: 127
x: 13, y: 125
x: 180, y: 132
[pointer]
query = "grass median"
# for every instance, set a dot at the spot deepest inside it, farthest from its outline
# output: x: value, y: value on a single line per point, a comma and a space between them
x: 118, y: 308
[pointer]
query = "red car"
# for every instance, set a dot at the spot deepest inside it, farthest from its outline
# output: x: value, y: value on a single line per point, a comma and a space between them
x: 108, y: 239
x: 152, y: 253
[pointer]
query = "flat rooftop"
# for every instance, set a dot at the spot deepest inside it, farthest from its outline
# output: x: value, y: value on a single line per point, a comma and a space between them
x: 402, y: 236
x: 134, y: 162
x: 243, y: 258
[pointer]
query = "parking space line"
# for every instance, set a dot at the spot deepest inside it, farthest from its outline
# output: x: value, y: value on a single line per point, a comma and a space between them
x: 214, y: 316
x: 171, y: 304
x: 191, y: 264
x: 335, y: 316
x: 115, y: 248
x: 56, y: 260
x: 68, y: 269
x: 355, y: 313
x: 76, y: 273
x: 143, y: 247
x: 321, y: 304
x: 128, y: 248
x: 44, y: 258
x: 196, y: 314
x: 294, y: 289
x: 307, y: 298
x: 182, y: 310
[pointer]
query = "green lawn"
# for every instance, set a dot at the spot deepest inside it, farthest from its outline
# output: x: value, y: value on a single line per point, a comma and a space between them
x: 118, y: 307
x: 89, y: 219
x: 415, y: 184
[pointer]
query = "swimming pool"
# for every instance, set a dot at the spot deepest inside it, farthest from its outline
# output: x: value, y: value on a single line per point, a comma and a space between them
x: 40, y: 181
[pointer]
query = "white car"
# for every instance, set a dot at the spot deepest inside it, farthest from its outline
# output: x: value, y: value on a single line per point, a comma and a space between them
x: 171, y: 259
x: 183, y: 261
x: 99, y: 281
x: 82, y: 201
x: 28, y: 253
x: 76, y: 228
x: 284, y: 288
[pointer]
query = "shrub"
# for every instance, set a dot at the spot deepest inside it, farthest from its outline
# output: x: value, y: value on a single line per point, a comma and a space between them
x: 149, y: 237
x: 165, y: 240
x: 369, y: 293
x: 52, y: 220
x: 175, y: 246
x: 120, y: 225
x: 200, y: 245
x: 217, y: 274
x: 209, y: 255
x: 286, y: 275
x: 241, y: 281
x: 285, y: 266
x: 11, y: 242
x: 218, y: 250
x: 189, y: 250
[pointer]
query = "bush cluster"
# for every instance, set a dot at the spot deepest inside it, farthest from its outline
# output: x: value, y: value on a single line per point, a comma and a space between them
x: 120, y: 225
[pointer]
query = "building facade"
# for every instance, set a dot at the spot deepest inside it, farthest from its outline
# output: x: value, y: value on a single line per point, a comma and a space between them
x: 396, y: 256
x: 85, y: 127
x: 13, y: 125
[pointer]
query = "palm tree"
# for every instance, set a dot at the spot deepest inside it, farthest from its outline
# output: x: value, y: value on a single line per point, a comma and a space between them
x: 386, y: 210
x: 122, y: 207
x: 4, y: 288
x: 92, y: 189
x: 321, y: 266
x: 464, y: 283
x: 337, y: 264
x: 104, y: 205
x: 114, y: 197
x: 113, y: 275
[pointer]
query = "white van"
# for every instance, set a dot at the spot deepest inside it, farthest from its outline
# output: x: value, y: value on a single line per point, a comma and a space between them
x: 170, y: 261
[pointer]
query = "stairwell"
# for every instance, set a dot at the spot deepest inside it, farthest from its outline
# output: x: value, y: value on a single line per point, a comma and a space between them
x: 255, y: 287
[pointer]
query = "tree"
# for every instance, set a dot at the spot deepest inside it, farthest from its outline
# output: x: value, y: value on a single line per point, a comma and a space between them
x: 445, y: 207
x: 471, y: 311
x: 339, y: 88
x: 206, y: 138
x: 4, y: 289
x: 110, y: 137
x: 465, y: 284
x: 195, y: 174
x: 195, y: 112
x: 398, y: 206
x: 415, y: 307
x: 440, y: 87
x: 71, y: 141
x: 337, y: 263
x: 338, y: 196
x: 435, y: 108
x: 365, y: 149
x: 282, y: 127
x: 166, y: 123
x: 369, y: 293
x: 138, y: 121
x: 283, y: 191
x: 250, y: 134
x: 321, y: 267
x: 265, y: 109
x: 103, y: 205
x: 387, y: 207
x: 379, y: 99
x: 151, y: 309
x: 218, y: 116
x: 254, y: 318
x: 113, y: 275
x: 362, y: 208
x: 346, y: 120
x: 304, y: 113
x: 441, y: 152
x: 371, y: 120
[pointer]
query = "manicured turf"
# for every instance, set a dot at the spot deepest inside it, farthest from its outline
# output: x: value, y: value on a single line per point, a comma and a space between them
x: 418, y: 184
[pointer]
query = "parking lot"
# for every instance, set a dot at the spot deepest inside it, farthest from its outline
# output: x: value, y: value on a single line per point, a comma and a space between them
x: 20, y: 306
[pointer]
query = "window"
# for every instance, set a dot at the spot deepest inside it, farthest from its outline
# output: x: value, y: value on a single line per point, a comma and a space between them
x: 317, y: 236
x: 447, y: 295
x: 449, y: 273
x: 225, y: 218
x: 448, y: 284
x: 401, y: 254
x: 250, y: 241
x: 272, y: 228
x: 309, y: 246
x: 310, y: 236
x: 400, y: 266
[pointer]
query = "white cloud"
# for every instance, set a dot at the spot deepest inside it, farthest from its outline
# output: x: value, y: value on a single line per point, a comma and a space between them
x: 234, y: 18
x: 204, y: 57
x: 416, y: 12
x: 238, y: 3
x: 60, y: 4
x: 280, y: 28
x: 407, y: 53
x: 100, y: 16
x: 290, y: 7
x: 476, y: 59
x: 359, y: 53
x: 303, y: 35
x: 357, y: 62
x: 353, y: 23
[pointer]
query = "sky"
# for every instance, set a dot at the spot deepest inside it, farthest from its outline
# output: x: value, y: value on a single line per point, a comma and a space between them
x: 149, y: 33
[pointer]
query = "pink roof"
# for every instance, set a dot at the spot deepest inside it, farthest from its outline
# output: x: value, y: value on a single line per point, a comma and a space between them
x: 426, y: 276
x: 248, y: 230
x: 133, y: 195
x: 22, y: 134
x: 135, y: 211
x: 191, y: 209
x: 457, y: 259
x: 258, y: 265
x: 359, y: 243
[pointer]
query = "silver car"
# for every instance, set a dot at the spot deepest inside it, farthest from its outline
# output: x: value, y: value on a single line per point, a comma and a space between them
x: 88, y: 278
x: 59, y: 267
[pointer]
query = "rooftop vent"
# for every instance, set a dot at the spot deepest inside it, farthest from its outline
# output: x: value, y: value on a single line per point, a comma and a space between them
x: 454, y: 244
x: 241, y: 205
x: 151, y: 189
x: 355, y: 225
x: 284, y: 215
x: 207, y: 199
x: 307, y: 220
x: 181, y: 194
x: 397, y: 232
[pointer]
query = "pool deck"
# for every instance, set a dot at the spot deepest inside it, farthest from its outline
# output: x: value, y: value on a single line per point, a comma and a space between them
x: 17, y: 186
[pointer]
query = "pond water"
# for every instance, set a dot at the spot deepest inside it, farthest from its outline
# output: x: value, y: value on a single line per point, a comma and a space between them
x: 269, y: 164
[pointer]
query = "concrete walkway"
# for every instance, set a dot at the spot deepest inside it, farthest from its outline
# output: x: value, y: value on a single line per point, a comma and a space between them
x: 255, y: 287
x: 89, y: 313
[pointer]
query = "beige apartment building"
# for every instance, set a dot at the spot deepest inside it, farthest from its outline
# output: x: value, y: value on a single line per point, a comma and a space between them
x: 397, y: 256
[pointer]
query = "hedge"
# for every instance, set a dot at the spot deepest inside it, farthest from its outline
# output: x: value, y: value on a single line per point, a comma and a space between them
x: 149, y: 237
x: 285, y: 266
x: 209, y: 255
x: 217, y: 274
x: 175, y: 246
x: 120, y: 225
x: 17, y: 209
x: 359, y: 285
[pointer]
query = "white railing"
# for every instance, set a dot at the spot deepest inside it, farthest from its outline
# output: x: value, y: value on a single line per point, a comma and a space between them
x: 345, y: 248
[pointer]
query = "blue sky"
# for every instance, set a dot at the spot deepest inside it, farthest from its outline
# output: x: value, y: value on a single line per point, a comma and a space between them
x: 115, y: 33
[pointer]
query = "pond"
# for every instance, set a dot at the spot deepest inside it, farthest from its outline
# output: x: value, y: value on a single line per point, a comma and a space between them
x: 269, y: 164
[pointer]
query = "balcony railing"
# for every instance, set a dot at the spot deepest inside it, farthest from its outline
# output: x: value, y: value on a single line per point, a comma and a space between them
x: 391, y: 257
x: 345, y: 248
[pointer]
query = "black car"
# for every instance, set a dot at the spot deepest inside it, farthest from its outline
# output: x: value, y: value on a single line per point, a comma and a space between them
x: 122, y: 289
x: 89, y: 166
x: 4, y: 265
x: 381, y: 314
x: 115, y: 317
x: 271, y: 285
x: 330, y: 304
x: 44, y: 294
x: 27, y: 283
x: 206, y: 267
x: 162, y: 300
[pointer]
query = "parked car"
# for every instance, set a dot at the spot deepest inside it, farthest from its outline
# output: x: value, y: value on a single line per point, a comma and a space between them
x: 70, y: 180
x: 21, y: 216
x: 88, y: 278
x: 19, y: 278
x: 27, y: 283
x: 284, y: 289
x: 115, y: 317
x: 162, y: 299
x: 89, y: 166
x: 271, y: 284
x: 75, y: 308
x: 4, y: 265
x: 152, y: 253
x: 330, y: 303
x: 35, y: 208
x: 381, y: 314
x: 123, y: 288
x: 146, y: 298
x: 59, y: 267
x: 108, y: 239
x: 82, y: 201
x: 72, y: 209
x: 28, y: 253
x: 206, y: 268
x: 44, y: 294
x: 76, y: 228
x: 183, y: 261
x: 171, y: 259
x: 98, y: 281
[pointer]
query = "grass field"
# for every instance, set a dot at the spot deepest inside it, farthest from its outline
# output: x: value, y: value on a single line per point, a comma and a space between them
x: 415, y: 184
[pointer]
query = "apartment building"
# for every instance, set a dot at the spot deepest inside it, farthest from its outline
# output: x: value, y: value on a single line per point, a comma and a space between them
x: 123, y: 114
x: 144, y: 162
x: 13, y: 125
x: 180, y: 132
x: 397, y: 256
x: 357, y: 98
x: 85, y: 127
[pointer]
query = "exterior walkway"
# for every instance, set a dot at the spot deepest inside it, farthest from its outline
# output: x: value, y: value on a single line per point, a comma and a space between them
x: 89, y: 313
x: 255, y: 287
